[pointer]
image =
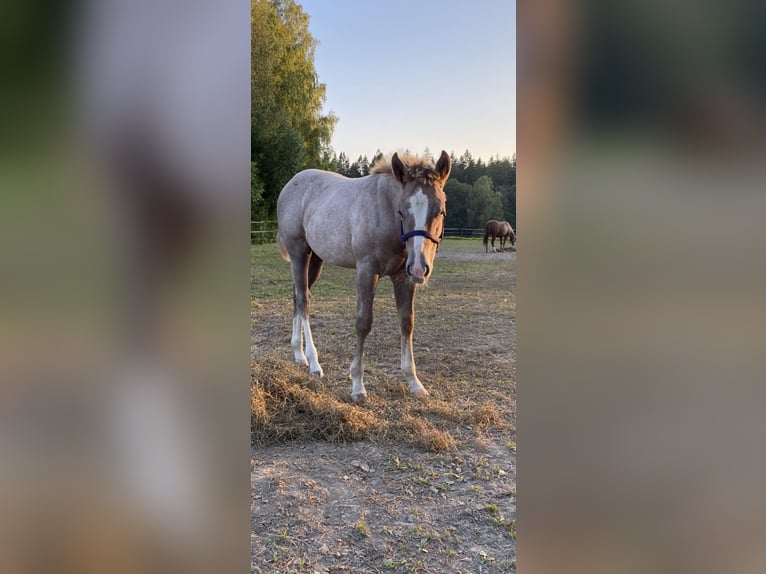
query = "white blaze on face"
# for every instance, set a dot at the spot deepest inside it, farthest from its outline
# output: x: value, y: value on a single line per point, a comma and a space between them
x: 418, y: 206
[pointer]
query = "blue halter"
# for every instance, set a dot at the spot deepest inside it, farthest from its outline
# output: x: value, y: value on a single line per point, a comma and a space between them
x: 416, y: 232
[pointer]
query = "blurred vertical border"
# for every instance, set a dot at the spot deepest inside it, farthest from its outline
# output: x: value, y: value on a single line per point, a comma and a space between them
x: 642, y: 290
x: 124, y: 274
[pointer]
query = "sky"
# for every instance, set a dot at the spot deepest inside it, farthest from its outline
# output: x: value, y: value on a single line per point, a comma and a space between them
x: 416, y: 74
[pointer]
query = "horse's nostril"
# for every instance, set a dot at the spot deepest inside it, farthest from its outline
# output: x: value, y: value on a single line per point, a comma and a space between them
x: 409, y: 269
x: 427, y: 271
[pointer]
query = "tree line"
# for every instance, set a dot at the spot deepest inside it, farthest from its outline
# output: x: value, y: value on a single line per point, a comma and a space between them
x: 476, y: 190
x: 290, y: 133
x: 288, y: 130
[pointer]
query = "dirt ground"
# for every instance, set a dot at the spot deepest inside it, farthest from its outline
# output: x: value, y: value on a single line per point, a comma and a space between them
x: 385, y: 504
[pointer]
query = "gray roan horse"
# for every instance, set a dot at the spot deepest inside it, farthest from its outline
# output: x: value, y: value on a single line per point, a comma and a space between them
x: 387, y: 223
x: 498, y: 229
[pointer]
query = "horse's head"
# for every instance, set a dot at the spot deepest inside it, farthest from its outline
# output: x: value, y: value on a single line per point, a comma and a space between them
x: 511, y: 233
x: 422, y: 212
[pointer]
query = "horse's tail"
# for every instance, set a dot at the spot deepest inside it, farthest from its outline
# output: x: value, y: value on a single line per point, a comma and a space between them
x: 486, y: 235
x: 282, y: 249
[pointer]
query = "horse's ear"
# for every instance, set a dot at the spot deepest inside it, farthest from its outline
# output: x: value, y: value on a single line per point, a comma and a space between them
x: 443, y: 166
x: 399, y: 169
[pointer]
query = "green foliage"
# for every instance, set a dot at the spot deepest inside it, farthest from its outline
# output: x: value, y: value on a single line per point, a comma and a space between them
x: 483, y: 203
x: 288, y: 130
x: 278, y: 162
x: 258, y: 210
x: 458, y: 194
x: 476, y: 191
x: 361, y: 167
x: 508, y: 195
x: 32, y: 66
x: 342, y: 165
x: 30, y: 43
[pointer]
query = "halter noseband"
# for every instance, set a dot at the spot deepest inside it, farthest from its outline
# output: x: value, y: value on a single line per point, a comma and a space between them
x: 416, y: 232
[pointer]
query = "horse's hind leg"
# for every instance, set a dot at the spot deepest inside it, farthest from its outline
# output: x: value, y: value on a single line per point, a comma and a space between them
x: 299, y: 265
x: 315, y: 268
x: 296, y: 341
x: 404, y: 291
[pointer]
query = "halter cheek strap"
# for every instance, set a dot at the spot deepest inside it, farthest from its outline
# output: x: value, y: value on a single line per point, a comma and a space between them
x: 416, y: 232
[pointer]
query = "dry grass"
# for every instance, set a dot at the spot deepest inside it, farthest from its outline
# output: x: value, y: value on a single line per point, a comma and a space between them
x: 288, y: 405
x: 420, y: 432
x: 487, y: 414
x: 464, y: 341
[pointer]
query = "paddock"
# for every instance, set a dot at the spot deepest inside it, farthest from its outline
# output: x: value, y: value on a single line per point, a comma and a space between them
x: 449, y: 459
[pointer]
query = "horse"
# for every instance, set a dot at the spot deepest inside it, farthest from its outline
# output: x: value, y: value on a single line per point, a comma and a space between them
x: 498, y: 229
x: 511, y: 234
x: 360, y: 223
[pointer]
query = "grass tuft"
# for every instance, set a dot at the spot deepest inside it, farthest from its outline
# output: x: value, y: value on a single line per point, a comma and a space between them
x: 487, y: 414
x: 422, y: 433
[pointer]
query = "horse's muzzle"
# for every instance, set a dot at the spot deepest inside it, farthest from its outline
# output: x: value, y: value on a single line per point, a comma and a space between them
x: 416, y: 277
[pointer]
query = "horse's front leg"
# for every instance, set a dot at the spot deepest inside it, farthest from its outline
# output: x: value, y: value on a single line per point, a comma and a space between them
x: 404, y: 291
x: 366, y: 282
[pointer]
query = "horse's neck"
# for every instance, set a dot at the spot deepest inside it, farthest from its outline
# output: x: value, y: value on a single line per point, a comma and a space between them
x: 395, y: 198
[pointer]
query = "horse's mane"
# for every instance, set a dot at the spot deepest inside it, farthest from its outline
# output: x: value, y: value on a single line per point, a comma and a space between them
x: 418, y: 168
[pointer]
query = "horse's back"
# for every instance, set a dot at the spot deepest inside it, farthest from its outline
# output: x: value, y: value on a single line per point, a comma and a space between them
x: 300, y: 193
x: 315, y: 207
x: 492, y: 226
x: 305, y: 184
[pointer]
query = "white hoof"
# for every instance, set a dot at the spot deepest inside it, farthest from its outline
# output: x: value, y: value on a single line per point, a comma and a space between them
x: 319, y: 373
x: 358, y: 397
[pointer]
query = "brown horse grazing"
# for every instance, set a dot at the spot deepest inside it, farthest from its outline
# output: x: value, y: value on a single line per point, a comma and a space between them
x: 498, y: 229
x: 360, y: 223
x: 510, y: 235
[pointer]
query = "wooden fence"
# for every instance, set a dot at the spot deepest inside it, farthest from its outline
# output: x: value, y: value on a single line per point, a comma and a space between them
x: 266, y: 232
x: 263, y: 231
x: 464, y: 232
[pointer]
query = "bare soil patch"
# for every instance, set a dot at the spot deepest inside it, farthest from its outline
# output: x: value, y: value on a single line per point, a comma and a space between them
x: 366, y: 507
x: 476, y: 255
x: 394, y: 484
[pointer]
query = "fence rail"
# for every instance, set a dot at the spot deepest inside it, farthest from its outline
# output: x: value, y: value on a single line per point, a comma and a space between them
x: 263, y: 231
x: 266, y: 232
x: 467, y: 232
